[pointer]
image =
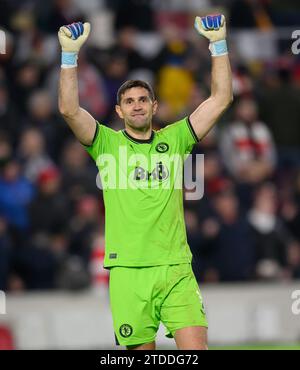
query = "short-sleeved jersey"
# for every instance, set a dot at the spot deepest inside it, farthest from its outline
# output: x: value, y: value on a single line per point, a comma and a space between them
x: 143, y: 196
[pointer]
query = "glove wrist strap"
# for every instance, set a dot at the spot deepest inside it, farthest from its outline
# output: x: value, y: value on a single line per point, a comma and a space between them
x: 218, y: 48
x: 68, y: 59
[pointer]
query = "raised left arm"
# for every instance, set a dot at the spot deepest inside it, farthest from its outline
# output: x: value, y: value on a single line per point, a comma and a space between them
x: 206, y: 115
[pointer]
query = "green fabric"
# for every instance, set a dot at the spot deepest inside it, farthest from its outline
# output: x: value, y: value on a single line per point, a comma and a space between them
x: 142, y: 297
x: 144, y: 224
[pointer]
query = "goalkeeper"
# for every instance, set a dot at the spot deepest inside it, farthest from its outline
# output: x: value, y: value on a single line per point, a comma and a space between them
x: 151, y: 278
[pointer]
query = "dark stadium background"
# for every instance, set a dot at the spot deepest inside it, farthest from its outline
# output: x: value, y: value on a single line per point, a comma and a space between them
x: 246, y: 229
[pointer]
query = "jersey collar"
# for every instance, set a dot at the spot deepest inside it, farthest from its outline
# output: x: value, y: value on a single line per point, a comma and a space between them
x: 138, y: 141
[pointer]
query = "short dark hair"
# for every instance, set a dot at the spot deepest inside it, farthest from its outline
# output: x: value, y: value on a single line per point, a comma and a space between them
x: 134, y: 83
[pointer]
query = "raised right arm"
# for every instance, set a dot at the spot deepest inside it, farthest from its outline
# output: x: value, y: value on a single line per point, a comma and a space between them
x: 83, y: 125
x: 79, y: 120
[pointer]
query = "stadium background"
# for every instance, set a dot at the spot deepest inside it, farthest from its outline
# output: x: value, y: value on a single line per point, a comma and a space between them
x: 244, y: 233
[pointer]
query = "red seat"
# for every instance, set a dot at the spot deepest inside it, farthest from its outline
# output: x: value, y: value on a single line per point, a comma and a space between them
x: 6, y: 338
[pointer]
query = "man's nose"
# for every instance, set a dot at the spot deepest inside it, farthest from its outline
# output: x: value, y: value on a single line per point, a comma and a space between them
x: 137, y: 105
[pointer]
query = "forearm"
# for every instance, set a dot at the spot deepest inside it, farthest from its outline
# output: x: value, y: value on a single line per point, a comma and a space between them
x: 221, y: 80
x: 207, y: 114
x: 68, y: 100
x: 79, y: 120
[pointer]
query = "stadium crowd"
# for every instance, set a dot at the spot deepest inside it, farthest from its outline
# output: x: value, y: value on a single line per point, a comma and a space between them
x: 247, y: 225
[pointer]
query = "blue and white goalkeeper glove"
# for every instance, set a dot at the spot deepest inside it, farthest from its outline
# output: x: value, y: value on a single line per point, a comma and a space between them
x: 213, y: 27
x: 71, y: 38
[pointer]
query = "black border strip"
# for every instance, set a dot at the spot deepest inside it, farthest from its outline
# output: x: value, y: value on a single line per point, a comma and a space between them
x: 192, y: 129
x: 97, y: 129
x: 116, y: 340
x: 139, y: 141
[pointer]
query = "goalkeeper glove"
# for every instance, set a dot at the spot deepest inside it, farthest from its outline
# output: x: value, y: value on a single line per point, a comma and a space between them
x: 71, y: 38
x: 213, y: 27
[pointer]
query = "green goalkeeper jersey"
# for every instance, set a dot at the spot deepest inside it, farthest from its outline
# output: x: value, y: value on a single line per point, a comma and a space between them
x: 143, y: 197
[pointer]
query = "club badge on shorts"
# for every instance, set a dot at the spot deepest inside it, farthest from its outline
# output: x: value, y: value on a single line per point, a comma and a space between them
x: 125, y: 330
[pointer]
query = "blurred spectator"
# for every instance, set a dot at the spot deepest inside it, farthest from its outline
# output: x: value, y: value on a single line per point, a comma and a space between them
x: 92, y: 93
x: 234, y: 256
x: 84, y: 226
x: 49, y: 210
x: 32, y: 154
x: 242, y: 82
x: 280, y: 108
x: 137, y: 14
x: 193, y: 234
x: 53, y: 14
x: 293, y: 259
x: 290, y: 207
x: 222, y: 245
x: 16, y: 193
x: 174, y: 87
x: 36, y: 264
x: 73, y: 275
x: 27, y: 78
x: 115, y: 73
x: 250, y: 14
x: 127, y: 47
x: 32, y: 43
x: 286, y: 13
x: 214, y: 179
x: 291, y: 215
x: 197, y: 96
x: 42, y: 117
x: 247, y: 146
x: 8, y: 114
x: 175, y: 82
x: 271, y: 237
x: 5, y: 254
x: 202, y: 239
x: 6, y: 13
x: 78, y: 178
x: 6, y: 150
x: 15, y: 283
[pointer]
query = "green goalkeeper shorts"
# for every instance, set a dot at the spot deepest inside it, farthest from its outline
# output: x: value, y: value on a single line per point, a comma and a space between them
x: 142, y: 297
